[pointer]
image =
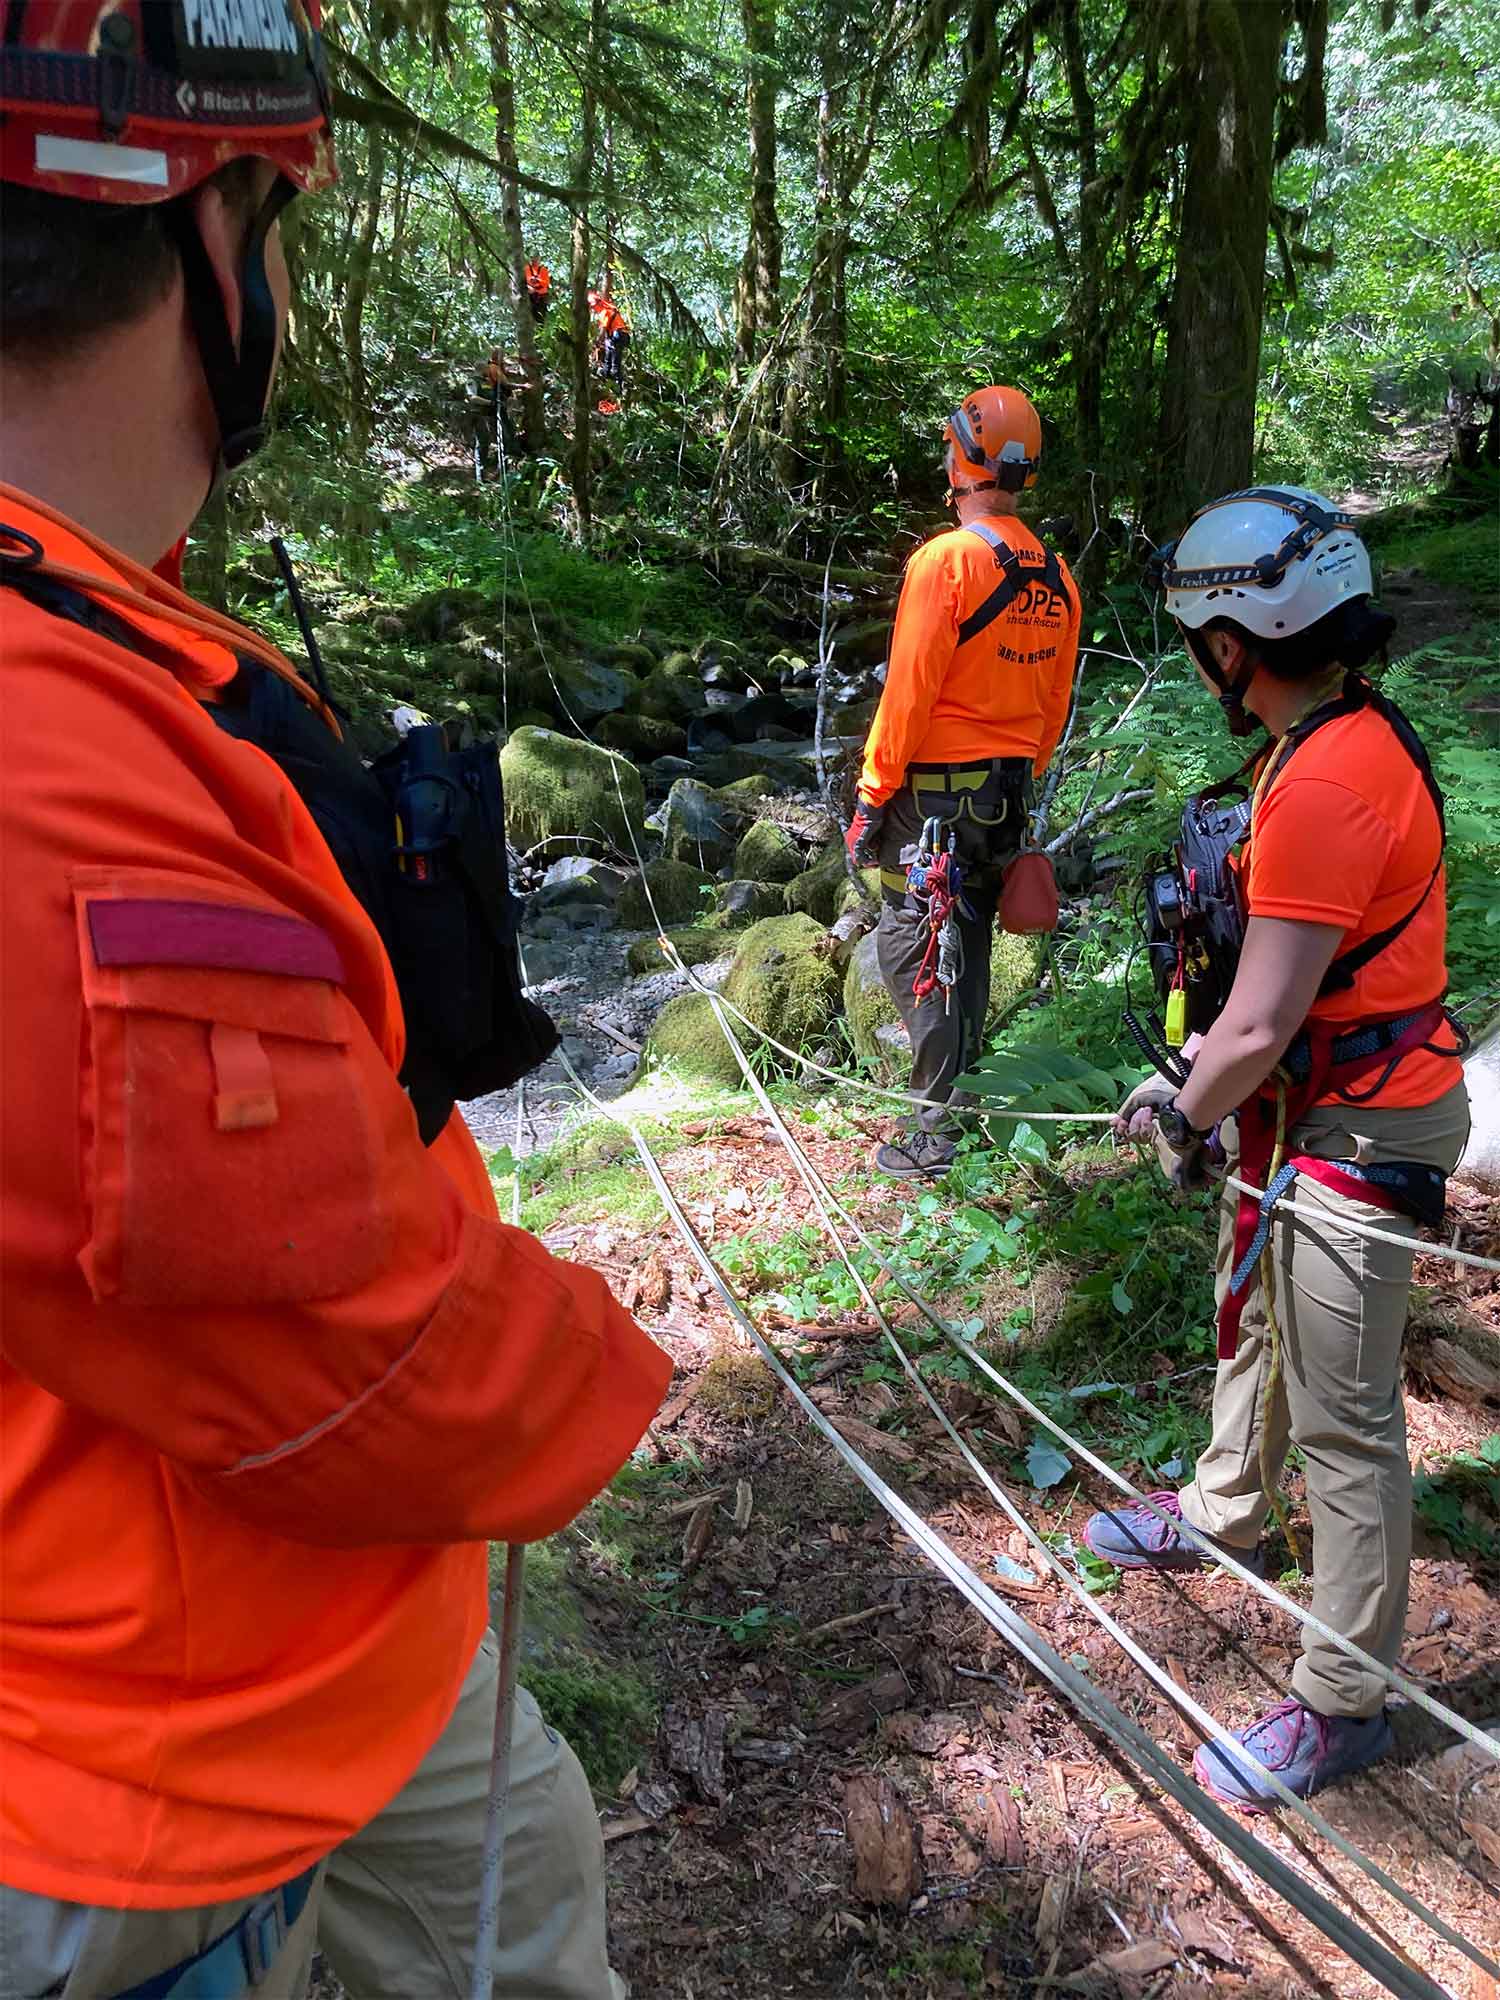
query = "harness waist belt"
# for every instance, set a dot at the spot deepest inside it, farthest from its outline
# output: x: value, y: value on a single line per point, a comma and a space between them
x: 241, y: 1958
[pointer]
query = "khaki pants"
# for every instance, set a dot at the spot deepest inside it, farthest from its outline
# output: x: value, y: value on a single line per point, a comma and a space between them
x: 394, y: 1908
x: 1341, y: 1301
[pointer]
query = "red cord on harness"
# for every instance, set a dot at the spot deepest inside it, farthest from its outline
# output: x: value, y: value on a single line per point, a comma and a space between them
x: 940, y: 901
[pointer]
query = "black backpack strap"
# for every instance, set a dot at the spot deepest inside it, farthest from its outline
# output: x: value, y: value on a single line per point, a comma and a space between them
x: 1358, y: 693
x: 1014, y: 576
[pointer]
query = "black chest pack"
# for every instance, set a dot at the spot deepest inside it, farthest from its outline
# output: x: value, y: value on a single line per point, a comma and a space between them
x: 419, y: 837
x: 1194, y: 910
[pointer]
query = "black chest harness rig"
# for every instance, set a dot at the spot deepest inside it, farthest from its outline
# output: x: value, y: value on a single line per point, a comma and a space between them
x: 1194, y: 898
x: 1195, y: 916
x: 419, y: 837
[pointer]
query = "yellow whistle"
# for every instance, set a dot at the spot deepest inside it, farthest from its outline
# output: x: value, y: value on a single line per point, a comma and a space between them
x: 1176, y: 1017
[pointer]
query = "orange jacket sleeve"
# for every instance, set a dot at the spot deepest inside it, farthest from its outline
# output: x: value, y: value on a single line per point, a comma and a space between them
x: 220, y: 1228
x: 922, y: 646
x: 1060, y: 690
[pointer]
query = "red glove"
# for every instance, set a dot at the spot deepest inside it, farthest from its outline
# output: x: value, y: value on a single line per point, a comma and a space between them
x: 863, y: 835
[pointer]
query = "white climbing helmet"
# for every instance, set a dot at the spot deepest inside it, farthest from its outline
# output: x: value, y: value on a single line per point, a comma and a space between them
x: 1275, y: 559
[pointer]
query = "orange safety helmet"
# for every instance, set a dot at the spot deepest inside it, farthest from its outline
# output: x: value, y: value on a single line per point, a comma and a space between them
x: 996, y: 432
x: 139, y: 101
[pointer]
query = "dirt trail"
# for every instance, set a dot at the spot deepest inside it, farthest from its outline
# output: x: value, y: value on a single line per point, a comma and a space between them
x: 797, y: 1643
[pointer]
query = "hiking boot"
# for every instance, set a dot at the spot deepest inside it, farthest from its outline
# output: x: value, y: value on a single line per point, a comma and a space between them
x: 1134, y: 1538
x: 919, y: 1156
x: 1305, y: 1750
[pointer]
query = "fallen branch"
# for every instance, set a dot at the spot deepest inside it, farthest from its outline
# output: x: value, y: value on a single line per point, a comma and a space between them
x: 747, y: 557
x: 1095, y: 814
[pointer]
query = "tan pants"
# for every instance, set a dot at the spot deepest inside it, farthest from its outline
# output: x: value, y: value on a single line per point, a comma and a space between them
x: 1341, y: 1300
x: 394, y: 1908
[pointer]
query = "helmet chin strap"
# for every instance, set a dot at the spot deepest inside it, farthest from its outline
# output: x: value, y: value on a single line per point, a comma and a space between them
x: 1231, y: 693
x: 238, y: 377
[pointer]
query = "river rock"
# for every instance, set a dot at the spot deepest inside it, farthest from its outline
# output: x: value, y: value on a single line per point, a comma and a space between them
x: 675, y: 895
x: 767, y: 853
x: 783, y: 981
x: 745, y: 902
x: 585, y: 689
x: 702, y: 826
x: 555, y: 784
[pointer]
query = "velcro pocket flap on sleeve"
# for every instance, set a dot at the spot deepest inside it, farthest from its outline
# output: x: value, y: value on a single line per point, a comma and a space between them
x: 228, y: 1156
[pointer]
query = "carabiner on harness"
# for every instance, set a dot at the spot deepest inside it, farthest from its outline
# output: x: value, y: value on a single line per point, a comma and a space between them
x: 935, y: 879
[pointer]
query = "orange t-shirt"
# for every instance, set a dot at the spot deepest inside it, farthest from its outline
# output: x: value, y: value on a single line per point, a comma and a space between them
x: 1348, y: 835
x: 1003, y: 693
x: 271, y: 1371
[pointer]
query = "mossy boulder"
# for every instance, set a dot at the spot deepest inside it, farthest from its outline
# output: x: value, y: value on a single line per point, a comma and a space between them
x: 784, y: 981
x: 695, y: 945
x: 819, y: 890
x: 633, y: 656
x: 556, y: 784
x: 767, y: 853
x: 676, y: 891
x: 668, y: 697
x: 701, y: 826
x: 643, y: 738
x: 739, y: 903
x: 686, y: 1037
x: 586, y: 689
x: 870, y: 1013
x: 680, y: 666
x: 1013, y: 970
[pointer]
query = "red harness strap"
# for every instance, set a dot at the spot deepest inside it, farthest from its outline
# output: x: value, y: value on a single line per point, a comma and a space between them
x: 1257, y: 1123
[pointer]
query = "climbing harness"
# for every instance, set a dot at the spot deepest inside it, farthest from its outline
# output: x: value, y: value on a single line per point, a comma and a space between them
x: 934, y: 881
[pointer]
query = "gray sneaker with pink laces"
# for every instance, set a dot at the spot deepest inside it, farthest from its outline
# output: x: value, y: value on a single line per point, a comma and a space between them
x: 1135, y: 1538
x: 1304, y: 1749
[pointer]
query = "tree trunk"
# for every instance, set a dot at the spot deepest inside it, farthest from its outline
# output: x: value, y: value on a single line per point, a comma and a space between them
x: 580, y: 326
x: 503, y: 97
x: 1090, y: 503
x: 807, y: 395
x: 759, y: 296
x: 356, y: 290
x: 1218, y: 295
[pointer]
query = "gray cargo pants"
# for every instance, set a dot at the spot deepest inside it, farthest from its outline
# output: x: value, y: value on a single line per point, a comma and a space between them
x: 986, y: 807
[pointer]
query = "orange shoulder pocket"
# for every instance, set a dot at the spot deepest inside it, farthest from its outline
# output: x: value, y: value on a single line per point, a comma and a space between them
x: 228, y: 1153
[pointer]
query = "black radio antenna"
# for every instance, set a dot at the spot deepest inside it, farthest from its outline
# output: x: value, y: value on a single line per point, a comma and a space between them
x: 304, y: 623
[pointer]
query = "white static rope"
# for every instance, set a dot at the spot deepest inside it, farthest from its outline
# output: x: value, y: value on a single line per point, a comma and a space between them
x: 1206, y: 1723
x: 1367, y: 1229
x: 1303, y: 1616
x: 1393, y: 1973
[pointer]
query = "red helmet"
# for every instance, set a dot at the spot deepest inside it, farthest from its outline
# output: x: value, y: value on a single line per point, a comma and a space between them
x: 996, y: 432
x: 140, y: 100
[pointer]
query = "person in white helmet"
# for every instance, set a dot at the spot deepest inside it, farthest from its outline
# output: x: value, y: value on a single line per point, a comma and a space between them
x: 1335, y: 1066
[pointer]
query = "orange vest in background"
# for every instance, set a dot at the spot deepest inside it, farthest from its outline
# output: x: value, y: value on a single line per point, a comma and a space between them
x: 271, y: 1372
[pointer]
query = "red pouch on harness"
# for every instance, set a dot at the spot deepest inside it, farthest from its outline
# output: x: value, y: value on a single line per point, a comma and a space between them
x: 1028, y: 894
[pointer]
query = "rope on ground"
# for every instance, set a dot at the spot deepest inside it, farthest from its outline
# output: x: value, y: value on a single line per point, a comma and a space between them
x: 1459, y: 1724
x: 1393, y: 1677
x: 1163, y: 1680
x: 1396, y: 1975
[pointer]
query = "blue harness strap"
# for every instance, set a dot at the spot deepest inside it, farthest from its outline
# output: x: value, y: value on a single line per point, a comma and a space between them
x: 1274, y: 1191
x: 237, y: 1962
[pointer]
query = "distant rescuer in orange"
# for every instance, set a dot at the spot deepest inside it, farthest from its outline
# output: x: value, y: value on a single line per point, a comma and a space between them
x: 976, y: 696
x: 538, y: 287
x: 272, y: 1371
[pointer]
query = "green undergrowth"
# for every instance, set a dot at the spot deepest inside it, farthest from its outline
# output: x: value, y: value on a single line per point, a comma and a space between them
x: 1458, y: 1497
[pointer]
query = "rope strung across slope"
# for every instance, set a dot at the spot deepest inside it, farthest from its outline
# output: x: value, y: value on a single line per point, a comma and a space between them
x: 1179, y: 1696
x: 811, y: 1180
x: 1396, y: 1975
x: 1269, y: 1591
x: 1392, y: 1676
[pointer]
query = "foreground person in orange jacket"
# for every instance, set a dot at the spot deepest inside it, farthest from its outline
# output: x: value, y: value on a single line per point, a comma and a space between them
x: 976, y: 695
x: 272, y: 1370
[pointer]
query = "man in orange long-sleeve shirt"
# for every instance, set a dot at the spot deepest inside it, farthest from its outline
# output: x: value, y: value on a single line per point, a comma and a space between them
x: 976, y: 696
x: 272, y: 1371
